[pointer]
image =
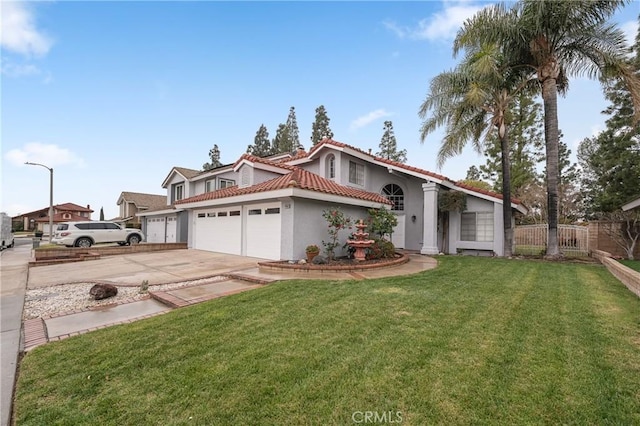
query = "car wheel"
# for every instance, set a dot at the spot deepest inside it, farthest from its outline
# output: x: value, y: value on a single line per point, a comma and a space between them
x: 133, y: 239
x: 83, y: 242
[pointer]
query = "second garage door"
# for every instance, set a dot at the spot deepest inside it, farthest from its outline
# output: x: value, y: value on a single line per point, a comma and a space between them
x: 263, y: 230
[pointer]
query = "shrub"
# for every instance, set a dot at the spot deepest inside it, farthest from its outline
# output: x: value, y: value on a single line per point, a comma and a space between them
x: 381, y: 249
x: 336, y: 220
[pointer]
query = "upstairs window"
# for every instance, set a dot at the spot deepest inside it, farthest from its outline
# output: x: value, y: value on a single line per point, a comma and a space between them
x: 225, y: 183
x: 210, y: 185
x: 179, y: 192
x: 331, y: 167
x: 356, y: 173
x: 395, y: 194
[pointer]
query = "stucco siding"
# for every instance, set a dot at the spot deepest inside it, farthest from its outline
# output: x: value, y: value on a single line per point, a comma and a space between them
x: 309, y: 227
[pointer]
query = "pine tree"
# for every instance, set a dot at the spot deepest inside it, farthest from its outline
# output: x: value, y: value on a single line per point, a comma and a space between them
x: 214, y: 155
x: 292, y: 128
x: 101, y: 213
x: 261, y: 145
x: 389, y: 147
x: 282, y: 140
x: 320, y: 128
x: 611, y: 160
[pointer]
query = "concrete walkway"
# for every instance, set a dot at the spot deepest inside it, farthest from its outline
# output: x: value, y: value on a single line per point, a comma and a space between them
x: 13, y: 283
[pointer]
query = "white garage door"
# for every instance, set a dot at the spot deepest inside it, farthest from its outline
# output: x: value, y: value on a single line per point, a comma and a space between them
x: 263, y: 230
x: 219, y: 230
x: 155, y: 230
x: 172, y: 226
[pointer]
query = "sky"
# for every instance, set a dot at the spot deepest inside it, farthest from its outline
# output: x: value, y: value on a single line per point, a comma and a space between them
x: 113, y: 94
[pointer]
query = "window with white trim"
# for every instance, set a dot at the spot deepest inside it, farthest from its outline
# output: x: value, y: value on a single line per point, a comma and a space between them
x: 476, y: 226
x: 179, y: 192
x: 395, y: 194
x: 225, y: 183
x: 331, y: 166
x: 356, y: 173
x: 210, y: 185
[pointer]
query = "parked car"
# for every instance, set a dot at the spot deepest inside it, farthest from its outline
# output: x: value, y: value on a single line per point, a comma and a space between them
x: 86, y: 234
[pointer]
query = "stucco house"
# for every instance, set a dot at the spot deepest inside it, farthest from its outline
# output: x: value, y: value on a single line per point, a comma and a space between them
x: 272, y: 207
x: 38, y: 220
x: 130, y: 203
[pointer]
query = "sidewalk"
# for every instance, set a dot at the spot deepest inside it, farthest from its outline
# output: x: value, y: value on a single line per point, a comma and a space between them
x: 13, y: 283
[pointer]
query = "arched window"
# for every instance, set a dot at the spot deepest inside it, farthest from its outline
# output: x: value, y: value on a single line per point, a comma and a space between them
x: 331, y: 166
x: 395, y: 194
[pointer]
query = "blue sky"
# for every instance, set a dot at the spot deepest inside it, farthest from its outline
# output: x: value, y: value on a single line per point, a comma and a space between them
x: 113, y: 94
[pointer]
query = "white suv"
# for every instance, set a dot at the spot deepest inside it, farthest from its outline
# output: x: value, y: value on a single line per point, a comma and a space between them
x: 85, y: 234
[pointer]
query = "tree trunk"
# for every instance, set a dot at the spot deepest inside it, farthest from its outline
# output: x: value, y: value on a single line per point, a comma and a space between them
x: 506, y: 194
x: 550, y: 99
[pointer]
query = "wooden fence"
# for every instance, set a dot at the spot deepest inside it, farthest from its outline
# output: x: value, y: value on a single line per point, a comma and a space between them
x: 532, y: 239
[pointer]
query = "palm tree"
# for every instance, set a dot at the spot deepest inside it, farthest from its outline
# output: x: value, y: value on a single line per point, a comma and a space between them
x: 556, y: 39
x: 472, y: 101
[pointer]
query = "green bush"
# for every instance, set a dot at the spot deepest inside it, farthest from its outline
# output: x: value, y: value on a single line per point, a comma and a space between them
x: 381, y: 249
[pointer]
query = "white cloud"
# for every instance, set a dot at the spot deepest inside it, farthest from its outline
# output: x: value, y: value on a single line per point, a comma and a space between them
x: 441, y: 25
x: 369, y: 118
x: 630, y: 29
x: 49, y: 155
x: 18, y: 32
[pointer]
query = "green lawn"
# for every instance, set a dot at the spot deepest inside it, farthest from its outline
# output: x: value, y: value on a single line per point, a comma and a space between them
x: 633, y: 264
x: 475, y: 341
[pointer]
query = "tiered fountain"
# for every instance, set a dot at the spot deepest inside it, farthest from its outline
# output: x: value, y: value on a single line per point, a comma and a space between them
x: 360, y: 243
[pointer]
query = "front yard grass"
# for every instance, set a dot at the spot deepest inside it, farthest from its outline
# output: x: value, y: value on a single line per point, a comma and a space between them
x: 475, y: 341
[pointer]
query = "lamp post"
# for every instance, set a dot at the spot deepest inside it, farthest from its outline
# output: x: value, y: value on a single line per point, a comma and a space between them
x: 50, y: 196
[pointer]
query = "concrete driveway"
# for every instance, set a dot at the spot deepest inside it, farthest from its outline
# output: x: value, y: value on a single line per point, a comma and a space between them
x: 156, y: 267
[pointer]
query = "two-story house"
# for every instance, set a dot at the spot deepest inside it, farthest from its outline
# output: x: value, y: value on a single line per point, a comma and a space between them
x: 272, y: 207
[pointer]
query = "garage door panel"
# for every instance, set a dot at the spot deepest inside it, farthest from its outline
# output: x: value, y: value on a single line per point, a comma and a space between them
x: 219, y: 230
x: 155, y: 230
x: 263, y: 231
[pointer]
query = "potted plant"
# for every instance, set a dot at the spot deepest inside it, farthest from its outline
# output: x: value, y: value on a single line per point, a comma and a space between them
x: 312, y: 251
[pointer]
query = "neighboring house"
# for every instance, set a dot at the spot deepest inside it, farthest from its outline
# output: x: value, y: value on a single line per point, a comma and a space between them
x: 131, y: 203
x: 272, y: 207
x: 38, y: 220
x: 635, y: 204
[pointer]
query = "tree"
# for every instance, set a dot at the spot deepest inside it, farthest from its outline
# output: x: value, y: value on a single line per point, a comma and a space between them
x: 320, y: 128
x: 526, y: 142
x: 282, y: 140
x: 611, y: 160
x: 555, y: 40
x: 389, y: 147
x: 214, y: 155
x: 472, y: 101
x: 101, y: 213
x: 261, y: 145
x: 623, y: 228
x: 294, y: 132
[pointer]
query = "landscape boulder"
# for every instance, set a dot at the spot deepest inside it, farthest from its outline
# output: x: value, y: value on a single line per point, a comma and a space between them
x: 103, y: 291
x: 319, y: 260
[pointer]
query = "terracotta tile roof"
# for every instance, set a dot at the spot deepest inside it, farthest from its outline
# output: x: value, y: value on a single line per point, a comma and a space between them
x: 254, y: 159
x: 411, y: 168
x: 298, y: 178
x: 71, y: 207
x: 485, y: 192
x: 59, y: 218
x: 150, y: 201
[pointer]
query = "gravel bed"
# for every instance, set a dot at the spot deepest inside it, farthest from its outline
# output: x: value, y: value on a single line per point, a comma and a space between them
x: 58, y: 299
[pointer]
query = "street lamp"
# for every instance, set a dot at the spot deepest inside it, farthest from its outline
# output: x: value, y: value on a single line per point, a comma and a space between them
x: 50, y: 196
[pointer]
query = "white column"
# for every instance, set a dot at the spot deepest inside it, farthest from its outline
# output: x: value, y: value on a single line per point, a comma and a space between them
x: 430, y: 233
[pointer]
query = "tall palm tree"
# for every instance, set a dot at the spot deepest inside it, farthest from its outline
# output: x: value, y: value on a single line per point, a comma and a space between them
x: 555, y: 39
x: 472, y: 101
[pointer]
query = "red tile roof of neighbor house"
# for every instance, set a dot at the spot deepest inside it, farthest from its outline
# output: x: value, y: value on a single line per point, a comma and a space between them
x: 67, y: 207
x: 298, y: 178
x: 58, y: 217
x: 254, y: 159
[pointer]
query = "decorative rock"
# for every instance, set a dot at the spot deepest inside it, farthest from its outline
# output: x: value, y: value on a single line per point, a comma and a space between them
x: 319, y: 260
x: 103, y: 291
x: 302, y: 261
